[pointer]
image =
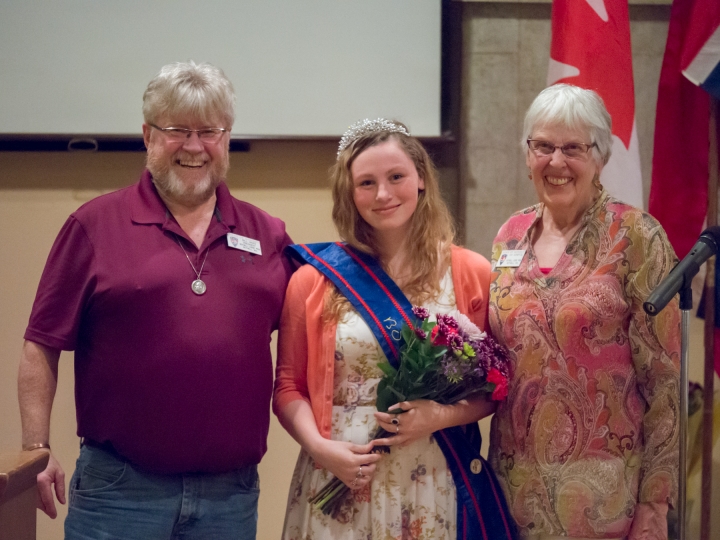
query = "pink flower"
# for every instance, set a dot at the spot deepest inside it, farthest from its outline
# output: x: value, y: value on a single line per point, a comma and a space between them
x: 420, y: 312
x: 456, y: 342
x: 500, y: 382
x: 420, y: 333
x: 447, y: 320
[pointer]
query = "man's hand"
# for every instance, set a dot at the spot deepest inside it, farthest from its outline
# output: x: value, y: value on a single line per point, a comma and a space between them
x: 37, y: 381
x: 53, y: 475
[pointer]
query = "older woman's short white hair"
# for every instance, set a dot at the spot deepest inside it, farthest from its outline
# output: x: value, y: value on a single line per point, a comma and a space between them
x: 572, y: 107
x: 189, y: 90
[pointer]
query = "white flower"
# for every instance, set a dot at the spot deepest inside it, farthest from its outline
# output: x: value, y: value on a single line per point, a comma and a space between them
x: 467, y: 326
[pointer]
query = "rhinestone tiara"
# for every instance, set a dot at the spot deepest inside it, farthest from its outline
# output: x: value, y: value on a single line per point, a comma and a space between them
x: 366, y: 127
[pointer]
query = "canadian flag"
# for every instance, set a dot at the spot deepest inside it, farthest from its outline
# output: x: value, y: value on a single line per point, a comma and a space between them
x: 591, y: 49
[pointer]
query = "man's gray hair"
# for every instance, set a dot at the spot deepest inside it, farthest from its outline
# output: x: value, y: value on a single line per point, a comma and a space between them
x: 188, y: 90
x: 571, y: 107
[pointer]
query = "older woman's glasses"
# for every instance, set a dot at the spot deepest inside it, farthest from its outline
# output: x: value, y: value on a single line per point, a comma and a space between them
x: 206, y: 135
x: 571, y: 150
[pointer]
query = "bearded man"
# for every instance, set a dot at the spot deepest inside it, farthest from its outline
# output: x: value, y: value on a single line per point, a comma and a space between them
x: 167, y: 291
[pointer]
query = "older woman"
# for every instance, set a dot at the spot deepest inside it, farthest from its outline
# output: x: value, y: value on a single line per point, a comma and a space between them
x: 586, y: 446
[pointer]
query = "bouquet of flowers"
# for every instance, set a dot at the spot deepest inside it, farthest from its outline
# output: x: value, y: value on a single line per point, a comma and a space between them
x: 444, y: 361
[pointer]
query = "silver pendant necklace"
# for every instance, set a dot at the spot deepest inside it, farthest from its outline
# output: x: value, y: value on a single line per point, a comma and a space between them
x: 198, y: 286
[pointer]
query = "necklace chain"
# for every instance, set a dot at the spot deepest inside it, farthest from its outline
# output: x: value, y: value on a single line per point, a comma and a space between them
x: 198, y: 274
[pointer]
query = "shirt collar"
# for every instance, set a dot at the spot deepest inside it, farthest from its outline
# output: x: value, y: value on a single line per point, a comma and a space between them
x: 148, y: 208
x: 589, y: 214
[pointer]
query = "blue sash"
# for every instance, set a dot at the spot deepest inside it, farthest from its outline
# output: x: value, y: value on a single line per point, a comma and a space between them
x: 481, y: 508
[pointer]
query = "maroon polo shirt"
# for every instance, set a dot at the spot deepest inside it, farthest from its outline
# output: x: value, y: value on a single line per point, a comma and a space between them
x: 176, y: 382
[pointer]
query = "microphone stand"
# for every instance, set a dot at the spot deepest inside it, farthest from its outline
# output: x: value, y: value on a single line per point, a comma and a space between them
x: 685, y: 308
x: 678, y: 281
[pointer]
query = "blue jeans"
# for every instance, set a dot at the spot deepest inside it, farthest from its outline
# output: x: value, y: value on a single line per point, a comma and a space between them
x: 112, y: 500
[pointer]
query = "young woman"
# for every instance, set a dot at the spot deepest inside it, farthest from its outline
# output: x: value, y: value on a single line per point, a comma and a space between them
x: 387, y: 205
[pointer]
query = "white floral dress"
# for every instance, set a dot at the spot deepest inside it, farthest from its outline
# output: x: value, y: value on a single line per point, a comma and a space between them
x: 412, y: 496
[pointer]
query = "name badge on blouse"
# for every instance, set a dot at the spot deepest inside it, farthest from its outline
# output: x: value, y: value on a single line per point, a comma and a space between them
x: 244, y: 243
x: 510, y: 258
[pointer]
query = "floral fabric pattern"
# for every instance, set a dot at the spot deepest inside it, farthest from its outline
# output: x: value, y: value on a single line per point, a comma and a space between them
x: 412, y: 496
x: 590, y: 426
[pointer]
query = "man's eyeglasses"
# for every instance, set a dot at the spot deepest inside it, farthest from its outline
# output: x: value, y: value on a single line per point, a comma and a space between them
x: 206, y: 135
x: 571, y: 150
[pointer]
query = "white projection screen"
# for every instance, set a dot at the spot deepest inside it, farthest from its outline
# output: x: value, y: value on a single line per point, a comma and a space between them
x: 300, y: 67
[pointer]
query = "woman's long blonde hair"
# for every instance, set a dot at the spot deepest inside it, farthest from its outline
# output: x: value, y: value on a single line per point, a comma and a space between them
x: 431, y: 229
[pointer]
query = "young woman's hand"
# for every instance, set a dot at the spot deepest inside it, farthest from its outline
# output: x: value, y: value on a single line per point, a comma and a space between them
x: 419, y: 419
x: 353, y: 464
x: 422, y: 417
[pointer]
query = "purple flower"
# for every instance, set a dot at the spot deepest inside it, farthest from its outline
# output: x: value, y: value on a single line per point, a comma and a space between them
x: 420, y: 333
x: 448, y: 321
x: 478, y: 372
x: 452, y: 370
x: 483, y: 354
x: 490, y: 354
x: 420, y: 312
x: 456, y: 342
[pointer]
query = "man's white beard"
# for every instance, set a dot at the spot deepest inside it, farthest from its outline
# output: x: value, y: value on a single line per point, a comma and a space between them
x: 171, y: 185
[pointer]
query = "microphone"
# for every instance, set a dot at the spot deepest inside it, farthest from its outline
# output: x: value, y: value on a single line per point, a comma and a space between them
x: 681, y: 276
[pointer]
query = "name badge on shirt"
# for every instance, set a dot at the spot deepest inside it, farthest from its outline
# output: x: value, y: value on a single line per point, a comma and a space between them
x: 244, y: 243
x: 510, y: 258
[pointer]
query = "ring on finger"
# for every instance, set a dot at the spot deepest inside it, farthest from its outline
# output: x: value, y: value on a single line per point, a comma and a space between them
x: 397, y: 430
x: 359, y: 473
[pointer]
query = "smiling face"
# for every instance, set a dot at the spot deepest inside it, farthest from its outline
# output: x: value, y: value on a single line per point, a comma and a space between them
x: 563, y: 184
x: 386, y: 185
x: 188, y: 171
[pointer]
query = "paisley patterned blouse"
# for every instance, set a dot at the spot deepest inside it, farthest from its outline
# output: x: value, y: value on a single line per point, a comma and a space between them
x: 590, y: 426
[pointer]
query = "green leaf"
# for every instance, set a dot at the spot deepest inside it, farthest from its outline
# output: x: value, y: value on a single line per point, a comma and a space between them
x: 383, y: 401
x: 387, y: 369
x: 407, y: 334
x: 440, y: 351
x: 411, y: 363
